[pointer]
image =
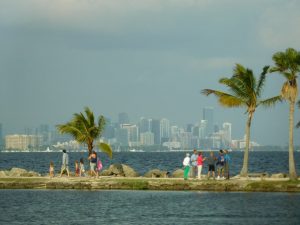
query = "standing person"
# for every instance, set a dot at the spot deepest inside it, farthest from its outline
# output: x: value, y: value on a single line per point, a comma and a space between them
x: 186, y: 164
x: 227, y: 161
x: 220, y: 165
x: 51, y: 169
x: 200, y: 161
x: 93, y: 163
x: 77, y: 170
x: 211, y: 160
x: 81, y: 169
x: 194, y: 163
x: 65, y: 163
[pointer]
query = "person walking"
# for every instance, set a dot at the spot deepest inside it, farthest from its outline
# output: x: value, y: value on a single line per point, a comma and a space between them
x: 77, y: 169
x: 93, y: 163
x: 51, y: 169
x: 227, y: 162
x: 186, y: 163
x: 220, y: 165
x: 211, y: 161
x: 81, y: 168
x: 194, y: 164
x: 200, y: 161
x: 65, y: 163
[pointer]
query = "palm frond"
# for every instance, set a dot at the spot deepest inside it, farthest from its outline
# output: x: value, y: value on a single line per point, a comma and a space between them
x: 262, y: 80
x: 101, y: 124
x: 106, y: 149
x: 225, y: 99
x: 90, y: 116
x: 271, y: 101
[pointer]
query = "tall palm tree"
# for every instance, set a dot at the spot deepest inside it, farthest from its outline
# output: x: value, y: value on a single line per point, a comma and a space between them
x: 288, y: 65
x: 85, y: 130
x: 298, y: 124
x: 244, y: 91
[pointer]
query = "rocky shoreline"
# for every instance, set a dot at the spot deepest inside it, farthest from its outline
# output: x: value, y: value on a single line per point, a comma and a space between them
x: 18, y: 178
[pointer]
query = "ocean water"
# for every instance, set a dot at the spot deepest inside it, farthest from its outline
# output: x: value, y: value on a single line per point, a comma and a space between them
x: 259, y: 161
x: 147, y: 207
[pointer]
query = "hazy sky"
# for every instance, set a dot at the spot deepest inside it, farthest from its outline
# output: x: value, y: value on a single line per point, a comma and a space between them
x: 147, y: 58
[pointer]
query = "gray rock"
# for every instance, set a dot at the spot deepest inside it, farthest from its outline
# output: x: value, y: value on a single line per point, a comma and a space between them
x: 178, y: 173
x: 3, y: 173
x: 279, y: 175
x: 19, y: 172
x: 156, y: 173
x: 129, y: 172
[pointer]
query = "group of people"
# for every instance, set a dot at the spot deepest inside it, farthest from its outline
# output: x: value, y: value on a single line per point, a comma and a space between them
x: 95, y: 166
x: 193, y: 165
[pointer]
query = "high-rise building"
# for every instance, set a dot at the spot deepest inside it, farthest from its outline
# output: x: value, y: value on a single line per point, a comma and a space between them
x: 208, y: 115
x: 147, y: 138
x: 203, y: 129
x: 165, y: 128
x: 22, y: 142
x: 132, y: 134
x: 156, y: 131
x: 123, y: 118
x: 227, y: 133
x: 122, y: 136
x: 145, y: 125
x: 189, y: 127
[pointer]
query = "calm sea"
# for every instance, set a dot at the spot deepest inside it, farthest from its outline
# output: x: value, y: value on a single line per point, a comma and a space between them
x: 259, y: 161
x: 147, y: 207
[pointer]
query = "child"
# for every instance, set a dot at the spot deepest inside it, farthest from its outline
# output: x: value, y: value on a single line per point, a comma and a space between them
x: 81, y: 169
x: 51, y: 169
x: 77, y: 170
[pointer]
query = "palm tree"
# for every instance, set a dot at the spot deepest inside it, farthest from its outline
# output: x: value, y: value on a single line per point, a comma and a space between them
x: 244, y: 91
x: 85, y: 131
x: 288, y: 65
x: 298, y: 124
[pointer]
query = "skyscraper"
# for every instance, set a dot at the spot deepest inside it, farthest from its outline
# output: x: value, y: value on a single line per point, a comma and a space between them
x: 123, y: 118
x: 165, y: 128
x: 208, y: 115
x: 145, y: 125
x: 227, y: 133
x: 156, y: 131
x: 203, y: 129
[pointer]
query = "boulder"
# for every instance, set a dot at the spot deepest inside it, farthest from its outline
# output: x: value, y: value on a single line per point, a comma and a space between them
x: 178, y: 173
x: 19, y: 172
x: 3, y: 173
x: 129, y: 172
x: 279, y: 175
x: 114, y: 170
x: 156, y: 173
x: 16, y: 172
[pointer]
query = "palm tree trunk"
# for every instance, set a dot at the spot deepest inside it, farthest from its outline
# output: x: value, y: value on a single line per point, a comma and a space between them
x: 90, y: 147
x: 292, y: 169
x: 244, y: 171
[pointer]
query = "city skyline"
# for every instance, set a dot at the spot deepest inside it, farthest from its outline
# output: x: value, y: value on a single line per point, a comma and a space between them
x: 124, y: 132
x: 147, y: 58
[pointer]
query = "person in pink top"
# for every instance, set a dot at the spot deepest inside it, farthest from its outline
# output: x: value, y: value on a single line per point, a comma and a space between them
x: 200, y: 161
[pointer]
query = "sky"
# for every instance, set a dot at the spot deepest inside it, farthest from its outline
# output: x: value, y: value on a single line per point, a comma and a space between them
x: 148, y: 58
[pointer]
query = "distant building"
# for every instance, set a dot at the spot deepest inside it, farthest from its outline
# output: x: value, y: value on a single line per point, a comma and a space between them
x: 227, y: 134
x: 147, y: 138
x: 22, y: 142
x: 208, y: 115
x: 156, y: 131
x: 203, y: 129
x: 165, y: 129
x: 132, y: 134
x: 145, y: 125
x: 123, y: 118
